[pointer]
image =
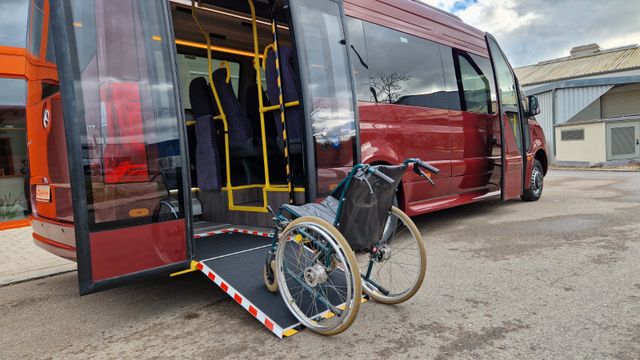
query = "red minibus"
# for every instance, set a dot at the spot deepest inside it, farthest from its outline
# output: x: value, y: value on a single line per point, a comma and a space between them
x: 185, y: 121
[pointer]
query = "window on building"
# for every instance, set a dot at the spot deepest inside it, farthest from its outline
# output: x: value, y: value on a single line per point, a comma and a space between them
x: 13, y: 22
x: 405, y: 69
x: 572, y: 135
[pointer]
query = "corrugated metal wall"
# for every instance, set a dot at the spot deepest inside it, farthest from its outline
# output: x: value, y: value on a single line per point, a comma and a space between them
x: 545, y: 118
x: 569, y: 102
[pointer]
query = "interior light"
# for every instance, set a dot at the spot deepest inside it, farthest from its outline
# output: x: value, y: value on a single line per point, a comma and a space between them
x: 77, y: 24
x: 223, y: 49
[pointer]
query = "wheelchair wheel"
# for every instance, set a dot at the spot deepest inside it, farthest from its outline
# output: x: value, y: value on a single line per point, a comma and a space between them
x: 317, y: 275
x: 269, y: 276
x: 394, y: 268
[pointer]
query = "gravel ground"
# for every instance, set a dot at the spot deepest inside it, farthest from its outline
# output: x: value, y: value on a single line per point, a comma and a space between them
x: 555, y: 279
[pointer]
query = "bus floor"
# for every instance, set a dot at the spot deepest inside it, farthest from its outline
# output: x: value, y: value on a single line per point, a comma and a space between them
x: 234, y: 260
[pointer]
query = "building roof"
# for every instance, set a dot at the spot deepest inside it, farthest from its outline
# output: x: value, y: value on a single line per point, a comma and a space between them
x: 586, y: 60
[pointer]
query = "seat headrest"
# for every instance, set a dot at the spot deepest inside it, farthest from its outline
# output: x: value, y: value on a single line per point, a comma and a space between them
x: 201, y: 98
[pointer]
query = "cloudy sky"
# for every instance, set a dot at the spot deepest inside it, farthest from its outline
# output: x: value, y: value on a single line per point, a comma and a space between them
x: 532, y: 31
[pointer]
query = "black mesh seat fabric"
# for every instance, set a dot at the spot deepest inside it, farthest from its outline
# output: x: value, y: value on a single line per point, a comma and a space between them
x: 244, y: 147
x: 325, y: 210
x: 207, y: 156
x: 293, y: 115
x: 241, y: 135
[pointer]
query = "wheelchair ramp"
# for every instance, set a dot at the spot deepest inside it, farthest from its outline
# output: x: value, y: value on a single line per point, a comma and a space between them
x: 233, y: 260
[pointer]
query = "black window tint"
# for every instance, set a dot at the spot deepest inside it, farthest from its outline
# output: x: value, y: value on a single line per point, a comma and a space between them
x: 359, y: 59
x: 474, y: 84
x: 450, y: 79
x: 405, y: 69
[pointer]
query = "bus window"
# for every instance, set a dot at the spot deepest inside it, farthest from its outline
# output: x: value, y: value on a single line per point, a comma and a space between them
x: 50, y: 54
x: 476, y: 85
x: 191, y: 67
x: 35, y: 28
x: 405, y: 69
x: 13, y: 23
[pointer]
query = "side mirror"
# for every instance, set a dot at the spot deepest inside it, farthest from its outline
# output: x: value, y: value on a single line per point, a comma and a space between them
x: 534, y: 106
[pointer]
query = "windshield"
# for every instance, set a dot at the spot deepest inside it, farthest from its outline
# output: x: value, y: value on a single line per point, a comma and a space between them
x: 325, y: 74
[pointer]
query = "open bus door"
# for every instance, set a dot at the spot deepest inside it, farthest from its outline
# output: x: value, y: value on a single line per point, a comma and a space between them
x: 125, y: 139
x: 511, y: 124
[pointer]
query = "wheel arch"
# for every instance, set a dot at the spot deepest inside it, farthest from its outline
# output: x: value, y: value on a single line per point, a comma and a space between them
x: 541, y: 156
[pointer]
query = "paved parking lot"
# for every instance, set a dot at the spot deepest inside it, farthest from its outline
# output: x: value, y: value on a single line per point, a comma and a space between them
x: 556, y: 279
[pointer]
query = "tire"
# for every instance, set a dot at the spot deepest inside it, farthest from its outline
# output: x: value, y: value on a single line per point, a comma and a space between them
x: 309, y: 269
x: 534, y: 192
x: 402, y: 288
x: 271, y: 284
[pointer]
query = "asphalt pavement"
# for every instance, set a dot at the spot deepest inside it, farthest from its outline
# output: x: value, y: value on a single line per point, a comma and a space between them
x: 554, y: 279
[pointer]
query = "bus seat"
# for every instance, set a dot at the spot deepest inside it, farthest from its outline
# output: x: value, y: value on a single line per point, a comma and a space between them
x: 244, y: 147
x: 290, y: 83
x: 207, y: 156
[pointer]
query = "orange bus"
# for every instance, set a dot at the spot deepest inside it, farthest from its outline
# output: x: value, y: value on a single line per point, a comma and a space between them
x: 29, y: 80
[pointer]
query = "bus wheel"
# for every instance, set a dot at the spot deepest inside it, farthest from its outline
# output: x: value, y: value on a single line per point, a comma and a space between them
x: 534, y: 192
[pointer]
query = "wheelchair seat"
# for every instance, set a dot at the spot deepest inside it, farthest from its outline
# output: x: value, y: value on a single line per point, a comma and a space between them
x: 326, y: 210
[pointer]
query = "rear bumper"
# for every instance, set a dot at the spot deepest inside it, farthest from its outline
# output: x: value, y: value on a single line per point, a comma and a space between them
x: 55, y: 237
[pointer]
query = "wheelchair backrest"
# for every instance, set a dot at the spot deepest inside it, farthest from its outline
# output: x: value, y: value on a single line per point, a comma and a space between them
x: 366, y: 205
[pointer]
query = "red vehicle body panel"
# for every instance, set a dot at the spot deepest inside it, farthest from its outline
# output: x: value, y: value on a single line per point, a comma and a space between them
x: 465, y: 146
x: 127, y: 250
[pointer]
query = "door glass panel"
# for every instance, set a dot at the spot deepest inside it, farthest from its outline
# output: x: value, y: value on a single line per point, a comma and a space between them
x: 320, y: 36
x: 507, y: 91
x: 131, y: 151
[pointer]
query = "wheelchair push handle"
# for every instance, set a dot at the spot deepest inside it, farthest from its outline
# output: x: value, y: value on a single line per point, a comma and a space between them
x: 418, y: 164
x: 381, y: 175
x: 427, y: 167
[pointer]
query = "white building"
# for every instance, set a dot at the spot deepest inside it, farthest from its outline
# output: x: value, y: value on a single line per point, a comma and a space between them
x: 590, y: 104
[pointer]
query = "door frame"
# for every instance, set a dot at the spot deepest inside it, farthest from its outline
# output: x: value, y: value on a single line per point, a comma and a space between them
x: 521, y: 120
x: 71, y: 91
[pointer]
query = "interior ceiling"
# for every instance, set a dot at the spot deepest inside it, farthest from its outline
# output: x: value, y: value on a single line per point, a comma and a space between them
x: 227, y: 31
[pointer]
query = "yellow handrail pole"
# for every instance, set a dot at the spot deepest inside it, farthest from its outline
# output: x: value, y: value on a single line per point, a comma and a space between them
x: 222, y: 115
x: 276, y: 53
x: 256, y: 65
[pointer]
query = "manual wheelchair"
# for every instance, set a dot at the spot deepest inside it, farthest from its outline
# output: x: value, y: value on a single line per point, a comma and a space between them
x: 324, y: 255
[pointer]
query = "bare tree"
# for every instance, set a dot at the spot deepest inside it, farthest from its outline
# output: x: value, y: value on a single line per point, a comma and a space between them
x: 388, y: 86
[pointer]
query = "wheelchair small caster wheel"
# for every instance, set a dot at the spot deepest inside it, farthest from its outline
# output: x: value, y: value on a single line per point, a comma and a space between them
x: 269, y: 276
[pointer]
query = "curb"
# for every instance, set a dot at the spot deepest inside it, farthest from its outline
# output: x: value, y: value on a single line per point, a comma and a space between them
x: 594, y: 169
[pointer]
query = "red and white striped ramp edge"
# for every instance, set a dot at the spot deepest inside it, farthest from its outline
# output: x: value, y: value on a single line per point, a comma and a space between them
x: 232, y: 230
x: 247, y: 305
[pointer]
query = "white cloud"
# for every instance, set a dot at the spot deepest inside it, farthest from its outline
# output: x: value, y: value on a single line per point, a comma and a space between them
x: 531, y: 31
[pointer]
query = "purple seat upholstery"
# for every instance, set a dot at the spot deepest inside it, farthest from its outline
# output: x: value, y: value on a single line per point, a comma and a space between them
x: 208, y: 169
x: 293, y: 115
x: 240, y: 131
